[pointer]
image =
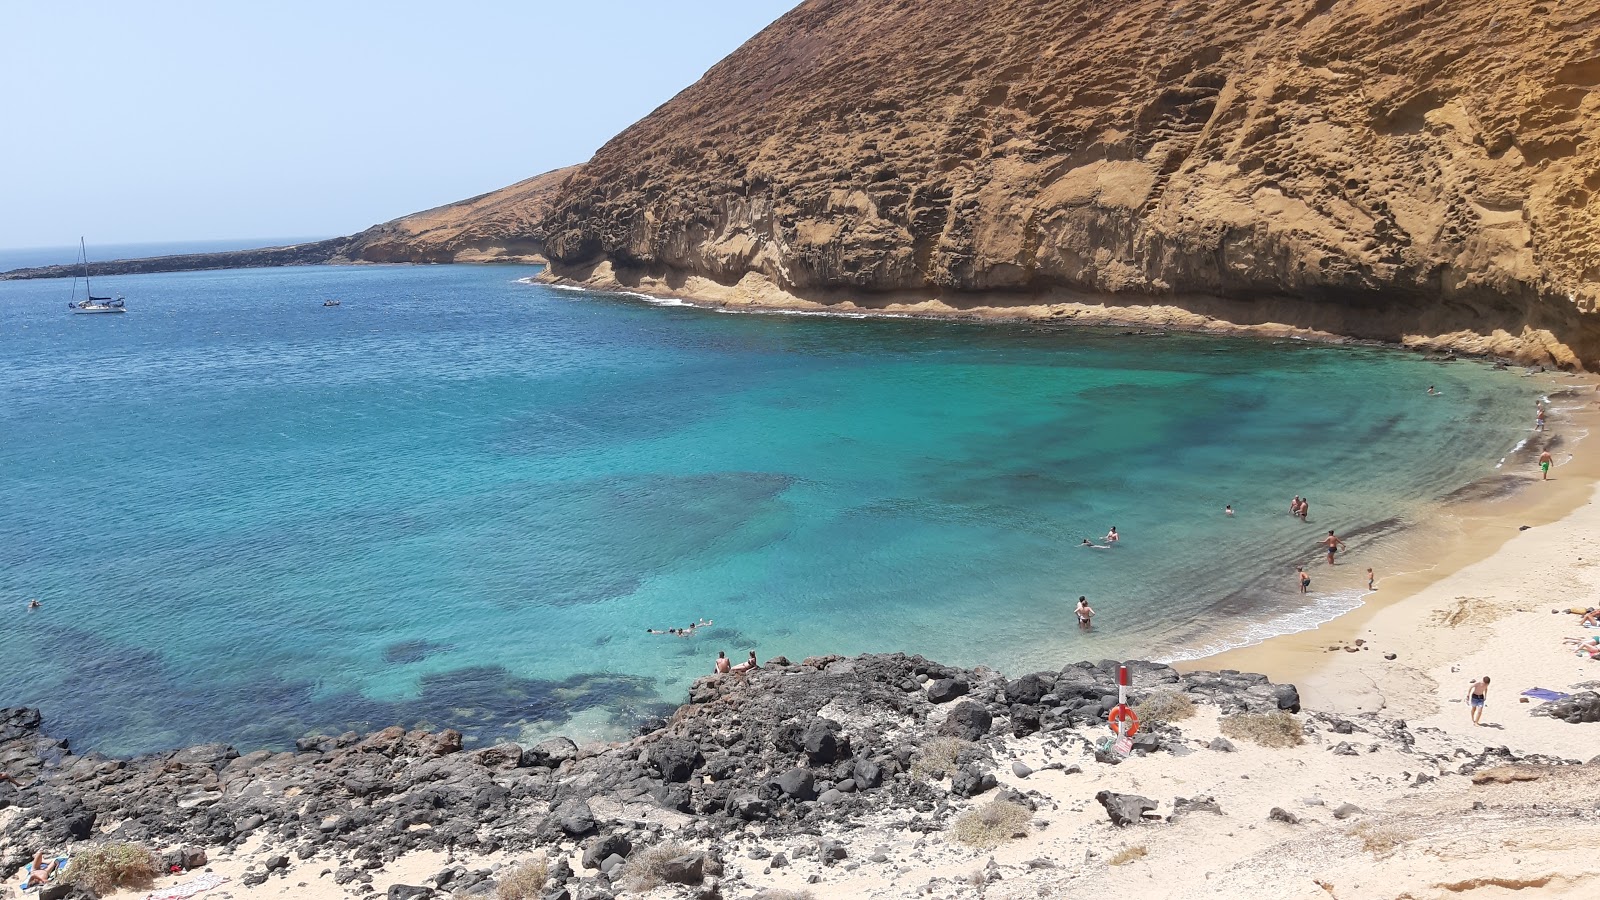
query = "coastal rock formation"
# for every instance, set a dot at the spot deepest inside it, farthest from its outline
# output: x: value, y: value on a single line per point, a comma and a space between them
x: 501, y: 226
x: 823, y: 769
x: 1419, y: 171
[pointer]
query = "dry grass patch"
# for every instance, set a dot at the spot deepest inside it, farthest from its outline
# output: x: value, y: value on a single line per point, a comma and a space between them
x: 1380, y: 840
x: 1128, y: 854
x: 992, y: 824
x: 938, y: 757
x: 1273, y: 729
x: 108, y: 867
x: 782, y: 894
x: 646, y: 868
x: 524, y: 881
x: 1168, y: 706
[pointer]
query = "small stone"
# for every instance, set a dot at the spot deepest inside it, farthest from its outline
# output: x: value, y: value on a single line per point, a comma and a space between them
x: 1221, y: 744
x: 1279, y: 814
x: 1020, y: 770
x: 1346, y: 810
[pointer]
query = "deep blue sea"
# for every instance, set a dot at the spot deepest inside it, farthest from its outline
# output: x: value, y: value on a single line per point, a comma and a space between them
x: 460, y: 500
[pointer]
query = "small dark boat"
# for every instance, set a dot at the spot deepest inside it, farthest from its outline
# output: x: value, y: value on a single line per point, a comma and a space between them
x: 330, y: 303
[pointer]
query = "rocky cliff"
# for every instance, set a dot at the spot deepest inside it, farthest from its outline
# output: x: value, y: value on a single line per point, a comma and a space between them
x: 501, y: 226
x: 1412, y: 170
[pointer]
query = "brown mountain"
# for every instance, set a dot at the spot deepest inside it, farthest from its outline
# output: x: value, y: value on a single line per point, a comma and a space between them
x: 1418, y: 171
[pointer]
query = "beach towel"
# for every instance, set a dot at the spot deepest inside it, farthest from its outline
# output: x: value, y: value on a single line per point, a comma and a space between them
x: 187, y: 889
x: 27, y: 874
x: 1544, y: 694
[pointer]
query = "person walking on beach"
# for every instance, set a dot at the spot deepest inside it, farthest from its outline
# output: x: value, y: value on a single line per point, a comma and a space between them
x: 1334, y: 545
x: 1085, y: 613
x: 1545, y: 459
x: 1478, y: 695
x: 1370, y: 580
x: 1305, y: 580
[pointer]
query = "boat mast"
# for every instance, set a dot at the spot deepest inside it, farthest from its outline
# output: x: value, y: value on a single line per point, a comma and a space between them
x: 83, y: 253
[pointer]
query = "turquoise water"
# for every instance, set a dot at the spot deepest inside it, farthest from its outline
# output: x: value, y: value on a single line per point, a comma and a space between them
x: 460, y: 500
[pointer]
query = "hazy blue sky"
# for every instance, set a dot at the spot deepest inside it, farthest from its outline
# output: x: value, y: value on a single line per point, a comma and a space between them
x: 166, y: 121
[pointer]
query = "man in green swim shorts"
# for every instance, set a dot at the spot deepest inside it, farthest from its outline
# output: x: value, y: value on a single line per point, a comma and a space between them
x: 1545, y: 459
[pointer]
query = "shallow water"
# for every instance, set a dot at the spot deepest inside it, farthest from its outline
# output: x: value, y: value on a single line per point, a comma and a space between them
x: 460, y: 500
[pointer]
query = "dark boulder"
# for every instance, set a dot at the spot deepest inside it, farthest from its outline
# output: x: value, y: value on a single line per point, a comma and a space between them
x: 797, y: 783
x: 551, y: 753
x: 1125, y: 809
x: 969, y: 782
x: 596, y: 851
x: 967, y: 720
x: 675, y: 761
x: 408, y: 892
x: 575, y: 818
x: 822, y: 743
x: 946, y: 689
x: 686, y: 869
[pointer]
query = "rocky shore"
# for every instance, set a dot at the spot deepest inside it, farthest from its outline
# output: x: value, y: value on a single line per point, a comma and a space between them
x: 852, y: 775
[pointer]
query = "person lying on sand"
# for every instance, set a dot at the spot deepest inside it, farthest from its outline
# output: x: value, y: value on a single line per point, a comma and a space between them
x: 41, y: 871
x: 1592, y: 617
x: 747, y: 665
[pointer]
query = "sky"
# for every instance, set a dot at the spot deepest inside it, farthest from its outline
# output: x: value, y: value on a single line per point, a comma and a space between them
x: 170, y: 121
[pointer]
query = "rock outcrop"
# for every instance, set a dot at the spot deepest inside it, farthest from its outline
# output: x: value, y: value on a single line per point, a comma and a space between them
x: 501, y: 226
x: 1417, y: 171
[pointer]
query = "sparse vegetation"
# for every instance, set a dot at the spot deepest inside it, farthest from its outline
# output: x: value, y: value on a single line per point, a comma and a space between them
x: 781, y: 894
x: 938, y: 757
x: 1128, y: 854
x: 108, y: 867
x: 645, y: 869
x: 1273, y: 729
x: 992, y: 824
x: 524, y: 881
x: 1167, y: 706
x: 1379, y: 840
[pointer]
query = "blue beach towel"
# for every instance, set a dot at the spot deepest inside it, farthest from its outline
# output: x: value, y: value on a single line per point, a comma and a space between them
x: 1544, y: 694
x: 27, y: 874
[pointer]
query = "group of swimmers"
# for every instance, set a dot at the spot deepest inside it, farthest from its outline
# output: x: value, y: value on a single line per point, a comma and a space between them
x: 682, y: 632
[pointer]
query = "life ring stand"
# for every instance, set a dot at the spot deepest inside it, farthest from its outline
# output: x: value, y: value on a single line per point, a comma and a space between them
x: 1122, y: 716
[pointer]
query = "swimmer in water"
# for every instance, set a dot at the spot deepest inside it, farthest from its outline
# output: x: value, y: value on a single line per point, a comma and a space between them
x: 1092, y: 544
x: 34, y: 603
x: 1228, y: 510
x: 1432, y: 392
x: 1112, y: 537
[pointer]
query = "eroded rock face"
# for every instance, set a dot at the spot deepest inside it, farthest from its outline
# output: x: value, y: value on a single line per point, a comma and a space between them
x: 1384, y: 170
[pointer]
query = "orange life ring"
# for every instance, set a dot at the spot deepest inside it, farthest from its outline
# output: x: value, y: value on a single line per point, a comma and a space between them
x: 1122, y: 713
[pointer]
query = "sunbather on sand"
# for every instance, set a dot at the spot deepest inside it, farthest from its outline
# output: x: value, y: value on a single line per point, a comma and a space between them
x: 41, y: 871
x: 1592, y: 617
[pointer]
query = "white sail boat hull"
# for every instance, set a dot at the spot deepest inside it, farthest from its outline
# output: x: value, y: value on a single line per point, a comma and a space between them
x: 90, y: 310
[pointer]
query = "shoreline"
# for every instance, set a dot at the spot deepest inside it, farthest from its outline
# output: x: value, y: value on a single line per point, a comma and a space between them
x: 1196, y: 313
x: 1498, y: 572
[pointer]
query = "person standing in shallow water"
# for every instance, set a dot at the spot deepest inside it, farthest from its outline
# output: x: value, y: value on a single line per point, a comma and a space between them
x: 1334, y: 545
x: 1085, y: 613
x: 1477, y: 696
x: 1304, y: 579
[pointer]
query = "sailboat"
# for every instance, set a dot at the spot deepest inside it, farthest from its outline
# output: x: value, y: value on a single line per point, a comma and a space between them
x: 93, y: 304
